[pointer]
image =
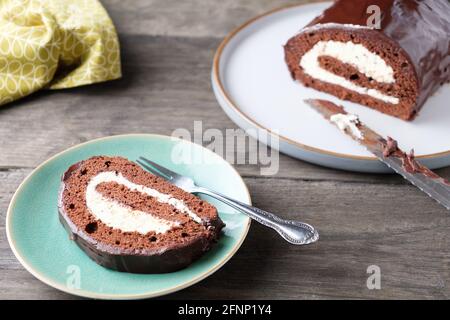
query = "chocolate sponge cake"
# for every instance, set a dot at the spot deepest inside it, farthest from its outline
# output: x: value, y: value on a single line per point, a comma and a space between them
x: 393, y: 66
x: 129, y: 220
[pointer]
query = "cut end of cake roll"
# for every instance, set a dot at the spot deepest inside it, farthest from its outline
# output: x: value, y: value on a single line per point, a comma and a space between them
x: 355, y: 63
x: 127, y: 219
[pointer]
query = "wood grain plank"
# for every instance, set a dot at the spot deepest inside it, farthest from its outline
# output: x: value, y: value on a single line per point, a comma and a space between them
x: 408, y: 245
x: 191, y: 18
x: 396, y: 228
x: 10, y: 180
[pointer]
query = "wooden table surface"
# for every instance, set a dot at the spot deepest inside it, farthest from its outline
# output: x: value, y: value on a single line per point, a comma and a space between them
x: 167, y: 51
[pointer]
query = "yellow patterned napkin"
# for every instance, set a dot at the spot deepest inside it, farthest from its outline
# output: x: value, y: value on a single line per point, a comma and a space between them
x: 55, y: 44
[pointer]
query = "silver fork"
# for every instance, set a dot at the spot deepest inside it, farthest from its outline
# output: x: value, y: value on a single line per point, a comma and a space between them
x: 295, y: 232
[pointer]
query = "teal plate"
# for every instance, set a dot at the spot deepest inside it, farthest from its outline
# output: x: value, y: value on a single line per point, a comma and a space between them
x: 43, y: 247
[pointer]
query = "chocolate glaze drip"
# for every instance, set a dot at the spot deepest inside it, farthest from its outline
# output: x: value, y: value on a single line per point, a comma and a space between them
x: 412, y: 166
x: 409, y: 163
x: 390, y: 147
x: 420, y: 27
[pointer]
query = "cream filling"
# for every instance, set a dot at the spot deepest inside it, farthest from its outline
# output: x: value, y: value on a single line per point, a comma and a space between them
x: 347, y: 122
x: 356, y: 55
x: 119, y: 216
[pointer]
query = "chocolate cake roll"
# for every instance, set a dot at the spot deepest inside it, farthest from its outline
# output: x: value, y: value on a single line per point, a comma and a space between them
x: 127, y: 219
x: 392, y: 67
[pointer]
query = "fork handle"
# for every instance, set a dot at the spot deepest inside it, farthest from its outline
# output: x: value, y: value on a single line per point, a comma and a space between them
x: 295, y: 232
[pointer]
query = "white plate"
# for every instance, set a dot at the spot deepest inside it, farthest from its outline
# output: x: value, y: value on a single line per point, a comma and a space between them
x: 253, y: 86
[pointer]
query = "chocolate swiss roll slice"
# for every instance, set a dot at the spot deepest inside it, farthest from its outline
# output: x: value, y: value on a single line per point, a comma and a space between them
x: 127, y: 219
x: 392, y: 66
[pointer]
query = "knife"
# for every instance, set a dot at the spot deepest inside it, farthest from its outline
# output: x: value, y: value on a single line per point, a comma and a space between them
x: 386, y: 150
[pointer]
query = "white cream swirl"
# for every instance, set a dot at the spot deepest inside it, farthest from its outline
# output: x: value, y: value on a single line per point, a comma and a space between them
x: 124, y: 218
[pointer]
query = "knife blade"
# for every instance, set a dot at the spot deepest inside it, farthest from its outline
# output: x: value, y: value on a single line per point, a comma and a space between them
x: 386, y: 150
